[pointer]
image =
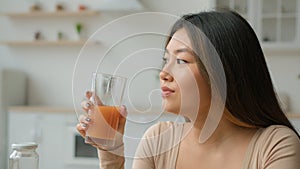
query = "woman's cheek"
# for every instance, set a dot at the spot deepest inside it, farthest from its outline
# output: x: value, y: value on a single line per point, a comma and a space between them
x: 189, y: 91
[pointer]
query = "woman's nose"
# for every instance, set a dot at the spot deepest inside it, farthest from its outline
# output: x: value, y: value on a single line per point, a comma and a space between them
x: 165, y: 76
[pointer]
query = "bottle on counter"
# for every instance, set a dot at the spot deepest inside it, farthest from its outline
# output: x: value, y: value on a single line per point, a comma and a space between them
x: 24, y: 156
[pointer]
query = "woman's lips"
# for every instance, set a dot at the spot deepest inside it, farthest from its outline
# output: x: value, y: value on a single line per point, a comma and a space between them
x: 166, y: 91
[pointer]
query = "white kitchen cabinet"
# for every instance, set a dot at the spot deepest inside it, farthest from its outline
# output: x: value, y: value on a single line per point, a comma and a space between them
x: 241, y: 6
x: 50, y: 129
x: 33, y: 126
x: 276, y: 22
x: 12, y: 92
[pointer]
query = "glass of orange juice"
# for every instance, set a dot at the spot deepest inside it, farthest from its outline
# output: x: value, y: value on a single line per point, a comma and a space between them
x: 107, y: 98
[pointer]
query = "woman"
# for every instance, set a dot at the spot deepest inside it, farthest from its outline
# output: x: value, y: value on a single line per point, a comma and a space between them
x: 252, y: 131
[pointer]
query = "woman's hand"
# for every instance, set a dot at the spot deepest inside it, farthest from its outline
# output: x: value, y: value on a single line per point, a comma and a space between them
x: 84, y: 120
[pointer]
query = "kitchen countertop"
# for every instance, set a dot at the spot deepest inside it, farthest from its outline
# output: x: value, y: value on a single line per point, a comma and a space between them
x: 48, y: 109
x: 42, y: 109
x: 52, y: 109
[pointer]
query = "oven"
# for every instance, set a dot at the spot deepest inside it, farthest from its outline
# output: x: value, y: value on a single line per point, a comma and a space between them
x: 78, y: 154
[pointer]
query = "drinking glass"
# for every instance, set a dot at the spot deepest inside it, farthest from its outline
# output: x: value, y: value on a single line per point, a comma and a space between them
x: 107, y: 93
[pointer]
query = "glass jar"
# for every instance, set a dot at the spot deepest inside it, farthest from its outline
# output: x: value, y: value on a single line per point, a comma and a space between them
x: 24, y: 156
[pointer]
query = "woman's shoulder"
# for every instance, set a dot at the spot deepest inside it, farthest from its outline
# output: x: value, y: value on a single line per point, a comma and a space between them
x: 278, y: 133
x: 277, y: 145
x: 276, y: 136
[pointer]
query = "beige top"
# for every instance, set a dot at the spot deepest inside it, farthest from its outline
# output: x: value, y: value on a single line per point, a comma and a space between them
x: 274, y: 147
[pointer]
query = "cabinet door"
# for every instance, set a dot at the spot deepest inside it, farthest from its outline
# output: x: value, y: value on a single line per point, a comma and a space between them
x: 246, y: 8
x: 52, y: 142
x: 278, y: 21
x: 243, y: 7
x: 24, y: 127
x: 44, y: 129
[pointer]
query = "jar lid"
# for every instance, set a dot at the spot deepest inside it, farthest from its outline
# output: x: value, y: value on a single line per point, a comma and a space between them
x: 26, y: 145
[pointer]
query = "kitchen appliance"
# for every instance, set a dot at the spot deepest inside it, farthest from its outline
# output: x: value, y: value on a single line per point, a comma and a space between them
x: 12, y: 92
x: 77, y: 153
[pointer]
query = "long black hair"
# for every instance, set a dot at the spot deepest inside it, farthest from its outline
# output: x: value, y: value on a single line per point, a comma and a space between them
x: 251, y: 98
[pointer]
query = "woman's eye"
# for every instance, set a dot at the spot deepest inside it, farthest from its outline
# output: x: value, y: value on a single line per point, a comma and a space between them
x: 181, y: 61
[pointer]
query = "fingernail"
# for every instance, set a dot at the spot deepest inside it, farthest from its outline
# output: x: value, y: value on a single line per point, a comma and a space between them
x: 83, y: 125
x: 123, y: 110
x: 87, y: 119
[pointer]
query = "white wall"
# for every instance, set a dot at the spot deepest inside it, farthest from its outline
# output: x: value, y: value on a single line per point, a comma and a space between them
x: 50, y: 68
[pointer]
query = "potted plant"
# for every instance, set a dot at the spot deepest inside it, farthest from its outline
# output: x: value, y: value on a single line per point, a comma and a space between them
x: 79, y: 30
x: 59, y: 35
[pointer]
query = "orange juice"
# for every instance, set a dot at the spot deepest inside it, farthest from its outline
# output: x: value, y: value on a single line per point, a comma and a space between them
x: 111, y: 115
x: 104, y: 125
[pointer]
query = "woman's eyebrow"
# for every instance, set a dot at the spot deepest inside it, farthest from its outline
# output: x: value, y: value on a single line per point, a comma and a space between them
x: 181, y: 50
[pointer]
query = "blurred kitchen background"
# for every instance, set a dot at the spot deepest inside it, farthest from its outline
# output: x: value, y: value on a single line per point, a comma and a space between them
x: 42, y: 40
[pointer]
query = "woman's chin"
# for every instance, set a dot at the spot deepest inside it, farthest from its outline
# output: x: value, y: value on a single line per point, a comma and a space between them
x: 170, y: 110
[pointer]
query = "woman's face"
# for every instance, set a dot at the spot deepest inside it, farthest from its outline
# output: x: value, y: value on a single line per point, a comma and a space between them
x: 181, y: 81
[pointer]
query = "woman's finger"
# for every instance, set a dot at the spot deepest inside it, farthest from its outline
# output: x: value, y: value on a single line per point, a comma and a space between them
x: 88, y: 94
x: 123, y: 111
x: 83, y: 125
x: 85, y: 120
x: 86, y: 105
x: 81, y: 129
x: 82, y: 118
